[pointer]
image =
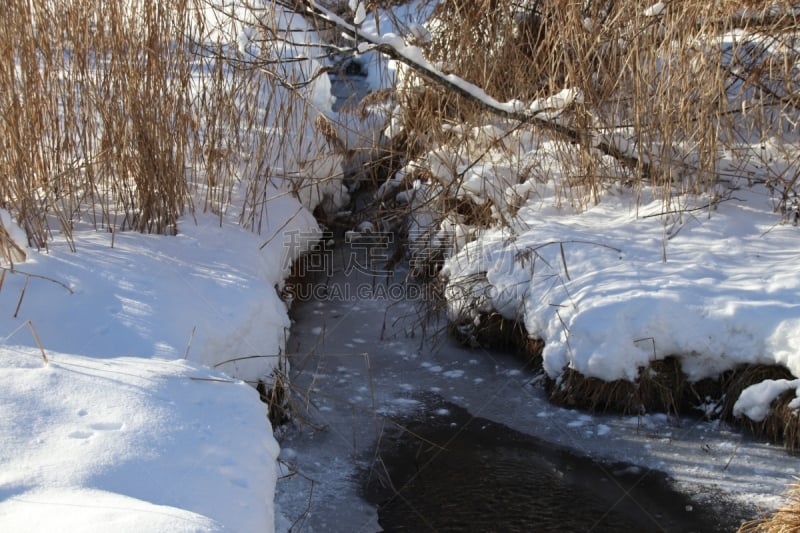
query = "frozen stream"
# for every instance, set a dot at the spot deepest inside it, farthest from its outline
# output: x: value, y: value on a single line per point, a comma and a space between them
x: 364, y: 368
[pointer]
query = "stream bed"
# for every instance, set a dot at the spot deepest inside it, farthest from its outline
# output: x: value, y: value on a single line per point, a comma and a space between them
x: 398, y: 428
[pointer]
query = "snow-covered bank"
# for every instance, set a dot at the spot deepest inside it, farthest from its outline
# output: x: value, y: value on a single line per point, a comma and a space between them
x: 130, y: 444
x: 609, y: 291
x: 207, y: 294
x: 126, y: 425
x: 611, y: 276
x: 146, y: 418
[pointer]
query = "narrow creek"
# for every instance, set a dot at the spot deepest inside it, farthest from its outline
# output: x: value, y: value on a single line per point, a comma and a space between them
x: 397, y: 428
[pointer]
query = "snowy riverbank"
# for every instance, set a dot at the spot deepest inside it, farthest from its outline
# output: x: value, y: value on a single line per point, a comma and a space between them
x: 125, y: 424
x: 128, y: 363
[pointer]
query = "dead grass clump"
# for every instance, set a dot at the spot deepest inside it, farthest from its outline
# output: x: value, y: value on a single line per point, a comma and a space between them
x: 573, y: 389
x: 276, y: 396
x: 786, y: 519
x: 781, y: 424
x: 661, y: 387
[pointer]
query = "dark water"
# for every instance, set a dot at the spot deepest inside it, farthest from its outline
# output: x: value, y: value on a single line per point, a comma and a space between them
x: 452, y: 472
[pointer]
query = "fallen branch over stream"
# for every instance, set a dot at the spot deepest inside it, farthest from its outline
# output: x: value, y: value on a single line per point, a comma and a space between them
x: 541, y: 112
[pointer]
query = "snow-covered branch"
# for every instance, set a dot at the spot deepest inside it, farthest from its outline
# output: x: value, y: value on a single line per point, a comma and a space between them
x: 392, y: 45
x: 541, y: 112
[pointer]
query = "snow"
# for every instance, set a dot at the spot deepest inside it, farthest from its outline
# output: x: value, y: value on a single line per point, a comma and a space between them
x: 551, y: 106
x: 655, y: 10
x: 610, y: 291
x: 143, y: 416
x: 360, y: 13
x: 127, y: 425
x: 207, y: 294
x: 755, y: 400
x: 132, y: 444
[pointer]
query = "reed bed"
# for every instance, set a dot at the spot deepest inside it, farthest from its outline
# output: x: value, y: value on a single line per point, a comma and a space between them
x: 125, y: 116
x: 96, y: 116
x: 678, y: 101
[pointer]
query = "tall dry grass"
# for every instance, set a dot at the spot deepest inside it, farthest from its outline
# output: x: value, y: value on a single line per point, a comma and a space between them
x: 96, y: 115
x: 123, y: 115
x: 677, y: 100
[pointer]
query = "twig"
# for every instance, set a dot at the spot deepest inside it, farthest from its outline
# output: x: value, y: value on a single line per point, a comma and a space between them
x: 21, y: 296
x: 215, y: 380
x: 653, y: 341
x: 15, y: 270
x: 566, y: 333
x: 733, y: 454
x: 700, y: 208
x: 302, y: 518
x: 576, y: 241
x: 189, y: 344
x: 564, y: 260
x: 243, y: 358
x: 38, y: 342
x: 279, y: 229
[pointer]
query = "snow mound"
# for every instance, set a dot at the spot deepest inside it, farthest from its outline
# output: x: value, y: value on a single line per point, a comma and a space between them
x: 754, y: 401
x: 208, y: 294
x: 130, y: 444
x: 609, y: 291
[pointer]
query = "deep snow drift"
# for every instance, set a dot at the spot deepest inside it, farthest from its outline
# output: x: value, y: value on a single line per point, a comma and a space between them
x: 126, y: 425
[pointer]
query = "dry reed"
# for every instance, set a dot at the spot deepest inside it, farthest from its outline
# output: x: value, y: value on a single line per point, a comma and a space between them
x: 96, y: 116
x: 118, y: 116
x: 679, y: 100
x: 784, y: 520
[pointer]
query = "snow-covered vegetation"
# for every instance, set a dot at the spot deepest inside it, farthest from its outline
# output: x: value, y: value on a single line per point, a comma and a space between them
x: 619, y: 179
x: 196, y: 122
